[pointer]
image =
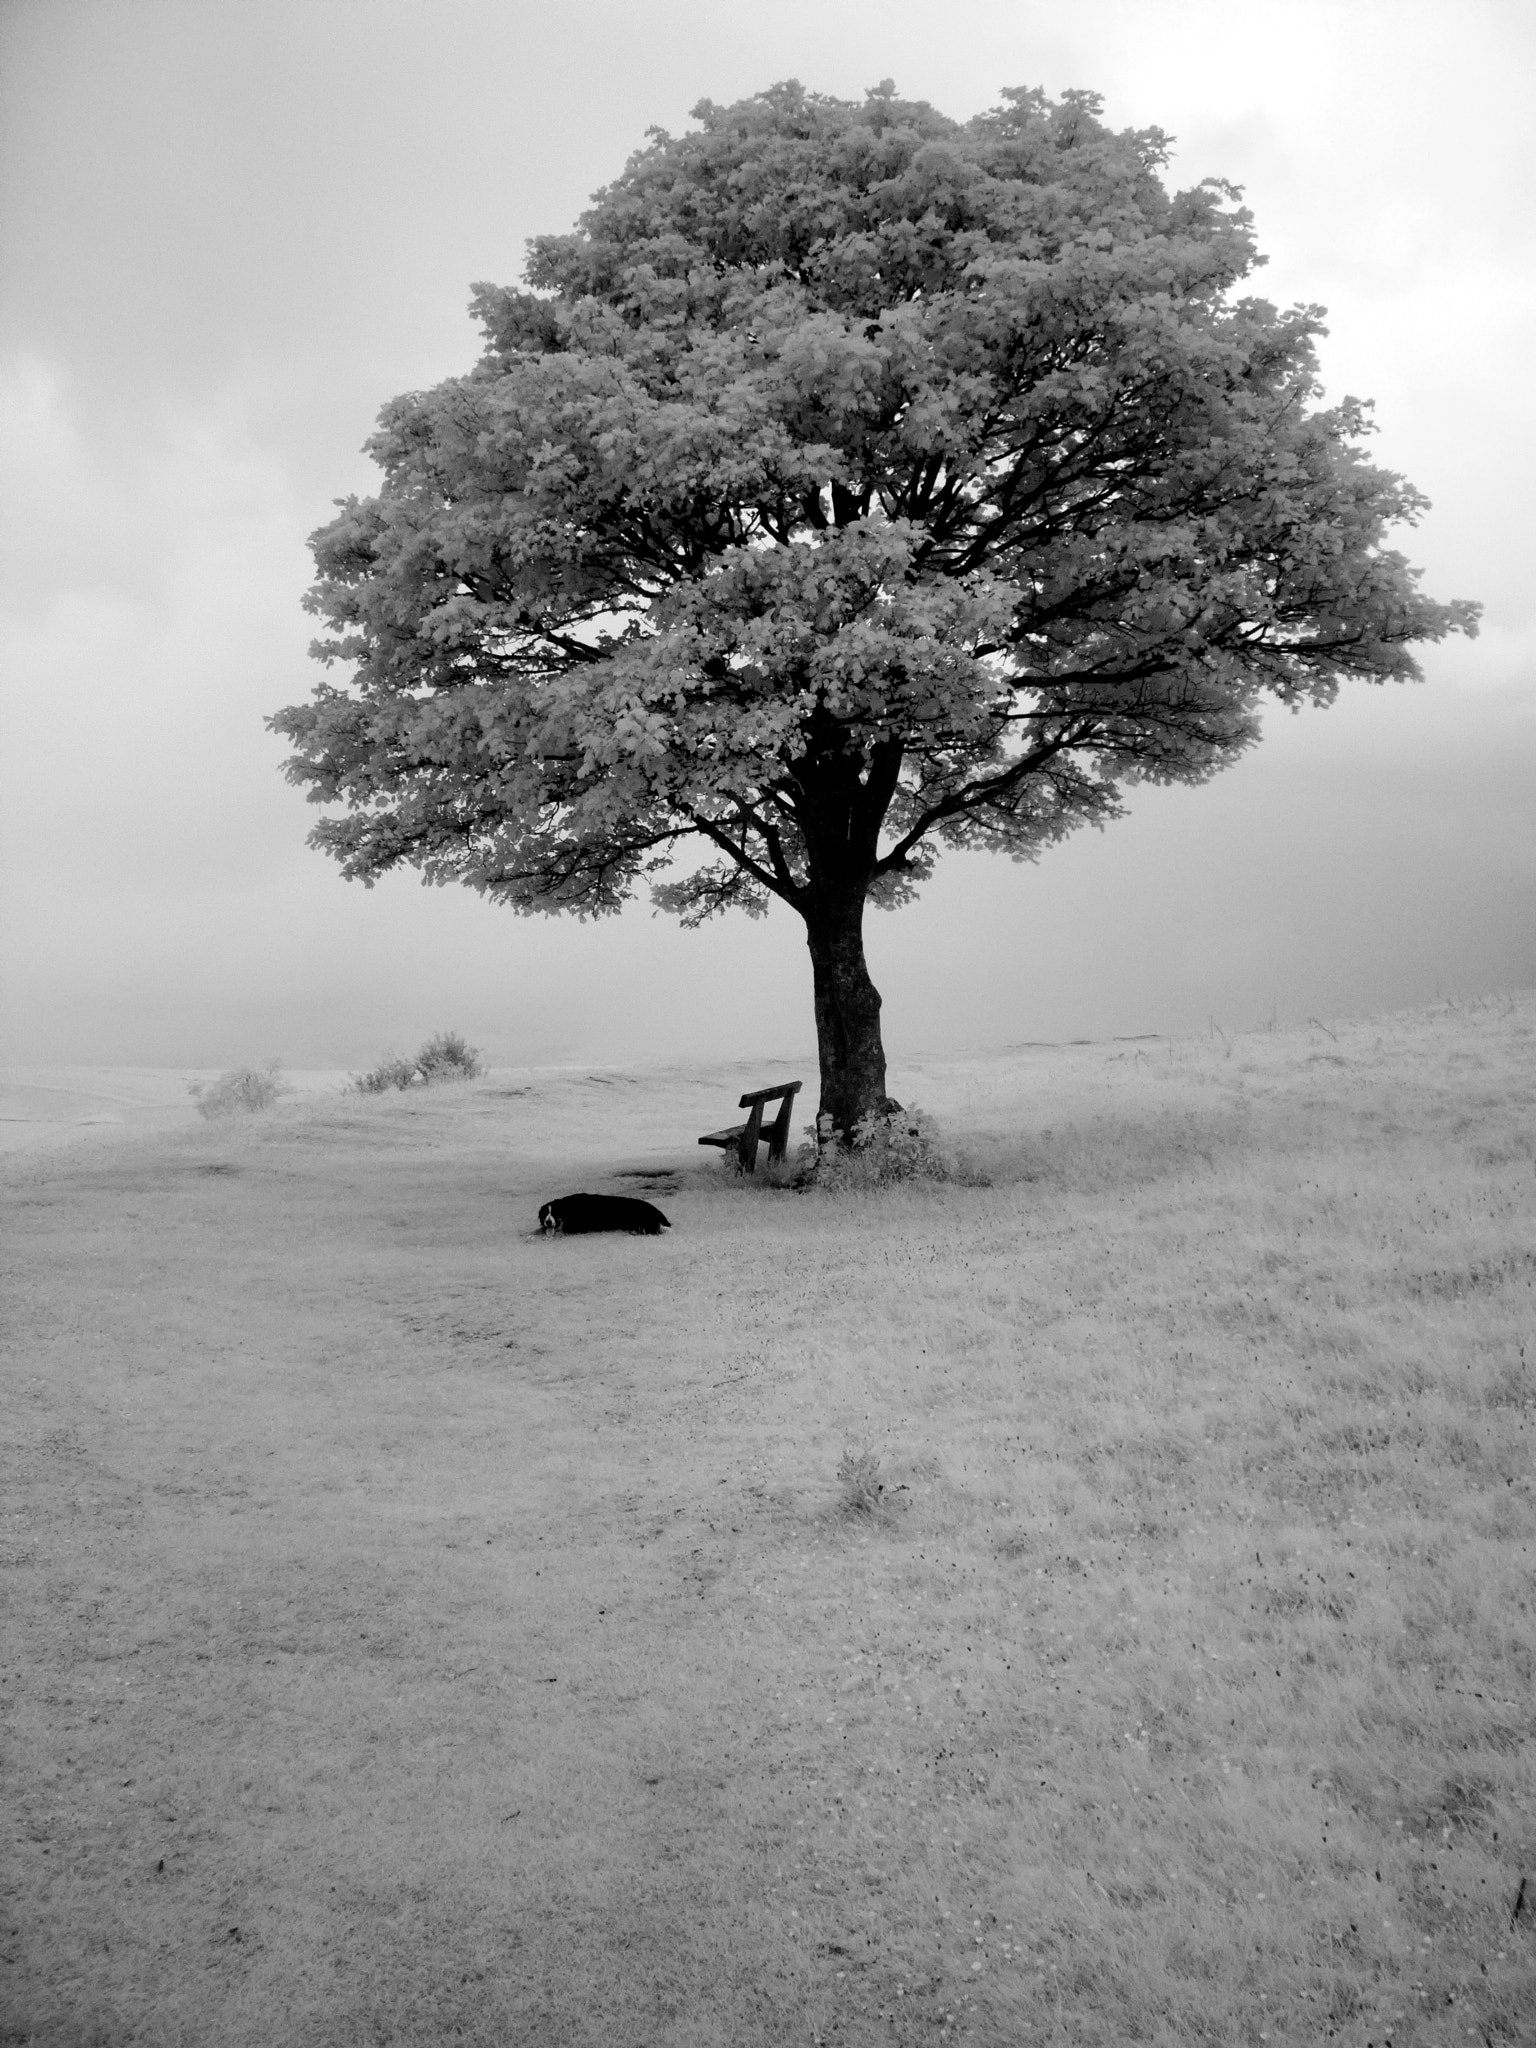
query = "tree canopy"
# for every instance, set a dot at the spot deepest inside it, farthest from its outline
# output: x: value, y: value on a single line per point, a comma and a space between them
x: 851, y: 483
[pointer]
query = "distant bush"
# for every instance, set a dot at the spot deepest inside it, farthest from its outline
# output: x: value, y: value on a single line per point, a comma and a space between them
x: 448, y: 1058
x: 443, y: 1058
x: 398, y: 1073
x: 240, y: 1091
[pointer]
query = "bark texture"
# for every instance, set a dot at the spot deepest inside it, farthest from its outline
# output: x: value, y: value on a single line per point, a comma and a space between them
x: 849, y: 1045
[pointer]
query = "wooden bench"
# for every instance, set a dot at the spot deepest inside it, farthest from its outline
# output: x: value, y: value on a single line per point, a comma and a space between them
x: 748, y: 1136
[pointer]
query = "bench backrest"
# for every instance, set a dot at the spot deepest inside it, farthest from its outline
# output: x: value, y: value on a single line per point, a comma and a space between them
x: 770, y: 1094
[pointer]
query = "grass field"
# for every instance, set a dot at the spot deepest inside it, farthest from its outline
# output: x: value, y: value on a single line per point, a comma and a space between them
x: 1092, y: 1607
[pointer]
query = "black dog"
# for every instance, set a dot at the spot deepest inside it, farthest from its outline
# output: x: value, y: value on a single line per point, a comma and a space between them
x: 572, y: 1215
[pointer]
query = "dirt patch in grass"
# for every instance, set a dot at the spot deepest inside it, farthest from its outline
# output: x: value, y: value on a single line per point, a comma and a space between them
x: 1094, y: 1607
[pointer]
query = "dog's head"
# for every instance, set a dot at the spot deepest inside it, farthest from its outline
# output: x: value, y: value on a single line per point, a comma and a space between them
x: 549, y: 1222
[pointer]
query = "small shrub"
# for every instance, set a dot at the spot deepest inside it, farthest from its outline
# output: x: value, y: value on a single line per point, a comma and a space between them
x: 396, y: 1073
x: 904, y: 1145
x: 447, y: 1058
x: 241, y: 1091
x: 443, y: 1058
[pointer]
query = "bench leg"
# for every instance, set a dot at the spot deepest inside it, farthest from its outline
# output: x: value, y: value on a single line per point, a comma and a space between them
x: 778, y: 1137
x: 746, y: 1150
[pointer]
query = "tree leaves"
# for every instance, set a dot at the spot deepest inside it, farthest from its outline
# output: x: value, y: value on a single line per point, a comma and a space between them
x: 849, y: 482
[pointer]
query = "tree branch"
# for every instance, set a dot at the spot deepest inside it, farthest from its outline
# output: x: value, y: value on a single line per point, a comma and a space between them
x: 764, y: 877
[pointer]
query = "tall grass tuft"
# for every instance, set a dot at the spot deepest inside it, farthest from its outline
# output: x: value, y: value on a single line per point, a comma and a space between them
x: 858, y: 1473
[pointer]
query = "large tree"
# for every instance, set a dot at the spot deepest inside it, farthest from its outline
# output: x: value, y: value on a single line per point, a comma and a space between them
x: 850, y: 484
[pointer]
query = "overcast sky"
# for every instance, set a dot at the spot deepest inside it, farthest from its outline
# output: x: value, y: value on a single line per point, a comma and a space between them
x: 230, y: 229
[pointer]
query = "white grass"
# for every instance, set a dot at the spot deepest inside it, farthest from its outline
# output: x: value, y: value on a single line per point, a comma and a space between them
x: 502, y: 1634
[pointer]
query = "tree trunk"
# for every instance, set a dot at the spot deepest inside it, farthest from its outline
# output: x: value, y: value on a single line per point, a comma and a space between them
x: 847, y: 1014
